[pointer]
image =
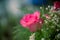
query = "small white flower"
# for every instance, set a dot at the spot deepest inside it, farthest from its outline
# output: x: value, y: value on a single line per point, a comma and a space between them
x: 58, y: 25
x: 45, y: 21
x: 42, y: 38
x: 57, y: 21
x: 46, y: 8
x: 40, y: 7
x: 41, y: 29
x: 32, y: 37
x: 52, y: 14
x: 55, y: 16
x: 52, y: 8
x: 58, y: 36
x: 57, y: 29
x: 52, y: 26
x: 52, y: 19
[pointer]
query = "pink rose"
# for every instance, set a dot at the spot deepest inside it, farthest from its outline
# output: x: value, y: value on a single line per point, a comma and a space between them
x: 32, y: 21
x: 47, y: 16
x: 56, y: 4
x: 36, y: 26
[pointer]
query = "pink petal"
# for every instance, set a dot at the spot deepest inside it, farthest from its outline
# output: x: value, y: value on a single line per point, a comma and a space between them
x: 57, y: 4
x: 47, y: 16
x: 37, y: 13
x: 33, y: 27
x: 41, y: 21
x: 23, y: 23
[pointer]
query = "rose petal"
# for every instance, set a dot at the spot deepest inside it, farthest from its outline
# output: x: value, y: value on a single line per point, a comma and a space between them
x: 57, y: 4
x: 37, y: 13
x: 33, y: 27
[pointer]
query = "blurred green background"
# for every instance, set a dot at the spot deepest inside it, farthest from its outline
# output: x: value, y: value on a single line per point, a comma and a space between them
x: 11, y: 11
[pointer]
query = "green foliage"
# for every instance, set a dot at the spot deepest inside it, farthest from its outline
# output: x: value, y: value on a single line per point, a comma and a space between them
x: 51, y: 27
x: 20, y: 33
